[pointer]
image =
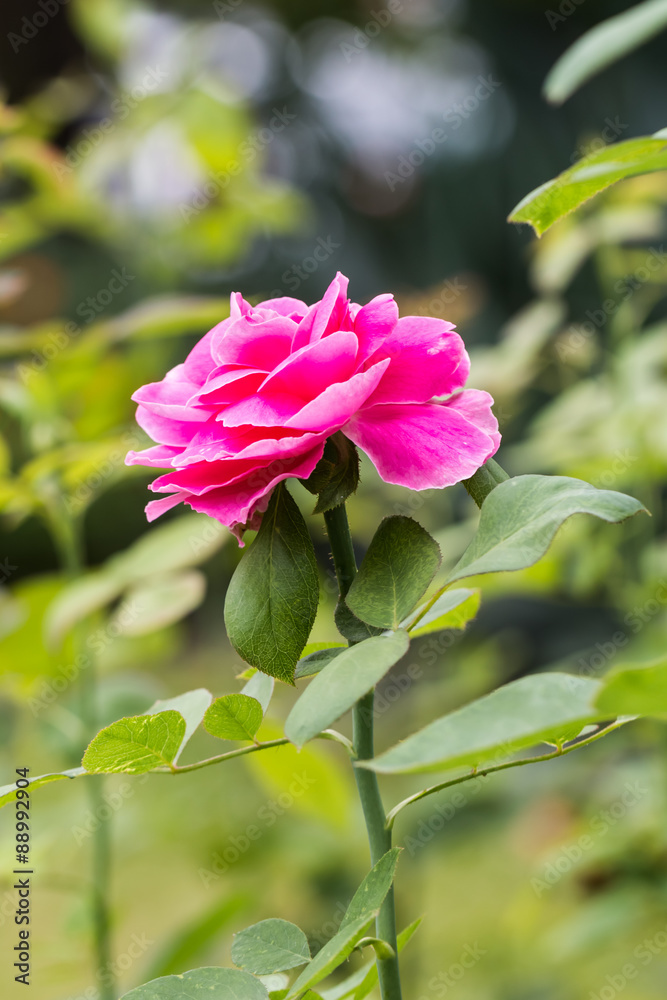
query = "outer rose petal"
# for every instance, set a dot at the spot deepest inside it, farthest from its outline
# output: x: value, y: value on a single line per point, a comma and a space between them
x: 159, y: 456
x: 421, y: 446
x: 427, y: 359
x: 199, y: 361
x: 475, y: 405
x: 235, y: 504
x: 168, y: 430
x: 287, y: 306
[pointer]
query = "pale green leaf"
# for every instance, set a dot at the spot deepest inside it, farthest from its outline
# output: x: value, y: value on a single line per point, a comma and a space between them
x: 270, y: 946
x: 603, y: 45
x: 401, y: 561
x: 159, y: 602
x: 260, y: 686
x: 544, y: 708
x: 202, y: 984
x: 451, y: 609
x: 371, y: 894
x: 234, y: 717
x: 272, y: 598
x: 520, y: 517
x: 8, y: 792
x: 341, y: 683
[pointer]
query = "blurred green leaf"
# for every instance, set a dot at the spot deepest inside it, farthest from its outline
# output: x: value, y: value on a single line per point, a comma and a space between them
x: 341, y: 683
x: 538, y: 709
x: 202, y: 984
x: 401, y: 561
x: 272, y: 598
x: 520, y: 517
x: 234, y: 717
x: 603, y: 45
x: 270, y: 946
x: 156, y: 603
x: 370, y: 980
x: 552, y: 200
x: 635, y: 689
x: 136, y: 745
x: 451, y: 609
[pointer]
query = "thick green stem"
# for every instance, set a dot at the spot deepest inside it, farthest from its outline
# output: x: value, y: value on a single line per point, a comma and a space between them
x: 379, y: 836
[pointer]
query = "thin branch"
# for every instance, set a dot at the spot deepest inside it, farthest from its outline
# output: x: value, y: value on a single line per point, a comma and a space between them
x: 477, y: 773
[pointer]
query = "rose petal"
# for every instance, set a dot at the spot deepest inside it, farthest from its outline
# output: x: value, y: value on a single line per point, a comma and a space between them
x: 421, y: 446
x: 374, y: 323
x: 336, y: 404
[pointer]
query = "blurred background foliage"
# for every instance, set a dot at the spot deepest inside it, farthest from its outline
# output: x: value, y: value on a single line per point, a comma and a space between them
x: 155, y: 158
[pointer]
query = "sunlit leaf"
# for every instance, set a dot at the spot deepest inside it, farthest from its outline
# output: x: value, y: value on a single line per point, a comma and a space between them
x: 635, y: 689
x: 8, y: 792
x: 451, y: 609
x: 234, y: 717
x: 136, y: 745
x: 192, y: 706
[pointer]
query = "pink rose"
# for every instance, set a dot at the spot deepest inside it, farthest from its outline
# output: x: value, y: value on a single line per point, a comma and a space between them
x: 258, y: 396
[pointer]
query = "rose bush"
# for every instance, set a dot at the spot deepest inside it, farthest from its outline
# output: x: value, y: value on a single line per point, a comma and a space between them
x: 258, y: 396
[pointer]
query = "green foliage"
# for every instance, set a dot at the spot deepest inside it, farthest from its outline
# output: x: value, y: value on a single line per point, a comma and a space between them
x: 369, y: 982
x: 8, y: 792
x: 192, y: 706
x: 603, y: 45
x: 314, y: 662
x: 352, y: 628
x: 336, y: 688
x: 448, y: 609
x: 599, y: 170
x: 401, y: 561
x: 635, y: 689
x: 270, y: 946
x: 537, y: 709
x: 136, y: 745
x: 520, y: 517
x: 272, y: 598
x: 234, y: 717
x: 336, y: 476
x: 361, y: 912
x: 202, y: 984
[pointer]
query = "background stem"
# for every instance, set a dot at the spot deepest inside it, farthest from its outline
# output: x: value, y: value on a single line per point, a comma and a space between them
x: 379, y: 837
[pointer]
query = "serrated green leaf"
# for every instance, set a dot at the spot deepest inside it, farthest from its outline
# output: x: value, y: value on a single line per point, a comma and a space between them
x: 192, y: 706
x: 310, y: 665
x: 635, y: 689
x: 603, y: 45
x: 136, y: 745
x: 371, y: 894
x: 599, y: 170
x: 234, y: 717
x: 341, y: 683
x: 401, y: 561
x: 272, y: 598
x: 202, y: 984
x: 451, y: 609
x: 520, y: 517
x: 270, y: 946
x: 537, y: 709
x: 8, y: 792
